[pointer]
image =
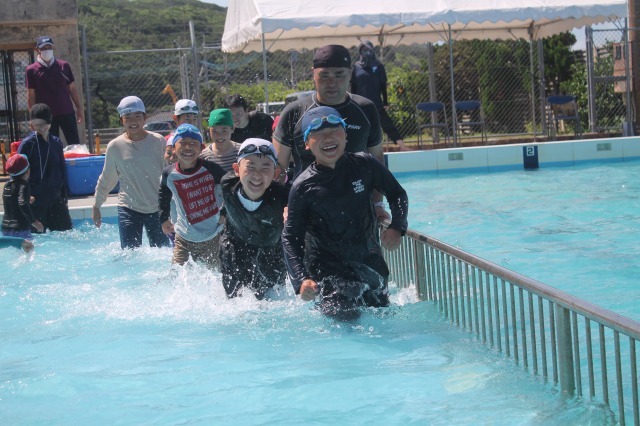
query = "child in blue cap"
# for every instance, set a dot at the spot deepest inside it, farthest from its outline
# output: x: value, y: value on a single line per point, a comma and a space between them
x: 330, y: 239
x: 194, y: 184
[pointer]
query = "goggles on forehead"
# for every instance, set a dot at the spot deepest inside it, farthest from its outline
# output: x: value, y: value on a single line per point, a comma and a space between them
x: 187, y: 131
x: 251, y: 149
x: 316, y: 123
x: 187, y: 108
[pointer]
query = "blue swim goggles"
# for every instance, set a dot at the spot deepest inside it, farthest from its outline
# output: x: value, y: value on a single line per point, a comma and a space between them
x: 186, y: 131
x: 316, y: 123
x: 189, y: 109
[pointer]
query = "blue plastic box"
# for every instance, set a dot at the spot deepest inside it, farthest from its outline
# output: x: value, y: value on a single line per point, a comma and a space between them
x: 83, y: 174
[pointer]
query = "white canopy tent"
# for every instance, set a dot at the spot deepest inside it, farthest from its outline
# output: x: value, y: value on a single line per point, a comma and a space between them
x: 269, y: 25
x: 255, y: 25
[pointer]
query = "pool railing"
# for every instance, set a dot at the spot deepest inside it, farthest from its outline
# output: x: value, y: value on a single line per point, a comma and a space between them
x: 553, y: 335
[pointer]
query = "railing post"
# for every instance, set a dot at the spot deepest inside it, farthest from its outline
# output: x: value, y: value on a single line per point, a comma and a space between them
x: 565, y: 351
x: 419, y: 254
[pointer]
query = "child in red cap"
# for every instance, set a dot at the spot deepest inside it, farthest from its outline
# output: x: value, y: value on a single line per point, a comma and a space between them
x: 16, y: 197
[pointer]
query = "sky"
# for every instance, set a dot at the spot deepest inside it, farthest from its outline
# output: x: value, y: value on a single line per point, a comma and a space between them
x: 223, y: 3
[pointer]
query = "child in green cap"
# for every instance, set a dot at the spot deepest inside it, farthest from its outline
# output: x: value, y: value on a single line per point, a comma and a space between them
x: 222, y: 151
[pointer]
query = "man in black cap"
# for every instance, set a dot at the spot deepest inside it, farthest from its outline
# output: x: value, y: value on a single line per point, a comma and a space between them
x: 331, y: 76
x: 50, y: 81
x: 330, y: 236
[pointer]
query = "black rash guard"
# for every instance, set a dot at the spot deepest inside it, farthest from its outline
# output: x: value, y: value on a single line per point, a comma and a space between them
x: 260, y: 126
x: 333, y: 207
x: 17, y: 206
x: 360, y: 114
x: 250, y: 247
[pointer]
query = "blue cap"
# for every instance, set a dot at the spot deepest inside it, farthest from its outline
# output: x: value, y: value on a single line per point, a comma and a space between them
x: 186, y: 131
x: 318, y: 119
x: 130, y: 104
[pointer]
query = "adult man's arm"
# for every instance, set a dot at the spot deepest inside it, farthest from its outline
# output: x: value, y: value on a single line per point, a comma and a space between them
x: 284, y: 157
x: 31, y: 98
x: 76, y: 101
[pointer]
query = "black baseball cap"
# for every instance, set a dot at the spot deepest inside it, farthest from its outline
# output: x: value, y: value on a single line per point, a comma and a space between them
x: 332, y: 55
x: 44, y: 41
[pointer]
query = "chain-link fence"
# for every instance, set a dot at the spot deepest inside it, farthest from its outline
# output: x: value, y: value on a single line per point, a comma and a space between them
x: 506, y: 77
x: 14, y: 113
x: 605, y: 88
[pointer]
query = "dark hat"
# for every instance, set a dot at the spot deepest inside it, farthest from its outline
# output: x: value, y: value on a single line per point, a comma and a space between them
x: 319, y: 118
x: 332, y: 55
x: 44, y: 41
x: 42, y: 112
x: 17, y: 164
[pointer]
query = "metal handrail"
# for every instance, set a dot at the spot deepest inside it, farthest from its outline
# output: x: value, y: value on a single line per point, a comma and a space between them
x: 552, y: 338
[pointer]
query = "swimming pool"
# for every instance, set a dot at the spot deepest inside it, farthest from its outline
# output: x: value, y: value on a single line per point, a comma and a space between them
x: 91, y: 334
x: 572, y: 228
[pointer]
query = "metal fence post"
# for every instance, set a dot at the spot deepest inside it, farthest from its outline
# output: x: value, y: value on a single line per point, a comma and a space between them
x: 88, y: 119
x: 194, y: 58
x: 565, y: 351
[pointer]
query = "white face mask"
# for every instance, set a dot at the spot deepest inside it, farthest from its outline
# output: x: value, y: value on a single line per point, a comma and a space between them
x: 46, y: 55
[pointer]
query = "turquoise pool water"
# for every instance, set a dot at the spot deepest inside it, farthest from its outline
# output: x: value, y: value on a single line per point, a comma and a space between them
x: 573, y: 228
x: 94, y: 335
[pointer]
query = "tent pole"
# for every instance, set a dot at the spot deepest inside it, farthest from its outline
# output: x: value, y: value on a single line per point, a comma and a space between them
x: 266, y: 75
x: 454, y: 114
x: 533, y: 88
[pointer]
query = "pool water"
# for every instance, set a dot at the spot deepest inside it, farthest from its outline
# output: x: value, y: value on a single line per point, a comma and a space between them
x: 572, y: 228
x: 91, y: 334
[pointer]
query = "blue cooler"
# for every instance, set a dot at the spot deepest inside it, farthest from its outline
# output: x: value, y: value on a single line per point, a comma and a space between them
x: 83, y: 174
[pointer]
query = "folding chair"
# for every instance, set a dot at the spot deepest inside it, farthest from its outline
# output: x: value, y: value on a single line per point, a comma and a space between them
x: 469, y: 115
x: 564, y: 108
x: 434, y: 108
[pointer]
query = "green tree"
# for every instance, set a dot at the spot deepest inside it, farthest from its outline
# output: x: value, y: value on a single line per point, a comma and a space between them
x: 558, y: 60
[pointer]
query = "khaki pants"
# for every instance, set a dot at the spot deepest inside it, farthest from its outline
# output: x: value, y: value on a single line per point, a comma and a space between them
x: 205, y: 251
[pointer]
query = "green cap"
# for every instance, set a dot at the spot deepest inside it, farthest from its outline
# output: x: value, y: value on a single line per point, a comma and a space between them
x: 220, y: 117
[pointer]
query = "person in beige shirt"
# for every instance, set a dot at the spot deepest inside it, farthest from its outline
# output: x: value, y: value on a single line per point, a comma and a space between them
x: 136, y: 159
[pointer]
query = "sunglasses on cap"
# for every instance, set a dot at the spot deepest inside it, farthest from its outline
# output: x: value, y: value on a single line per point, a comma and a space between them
x: 187, y: 109
x: 251, y: 149
x: 316, y: 123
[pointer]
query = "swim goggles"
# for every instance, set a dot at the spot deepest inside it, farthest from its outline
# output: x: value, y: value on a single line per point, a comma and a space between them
x: 188, y: 108
x: 186, y: 131
x: 253, y: 149
x: 316, y: 123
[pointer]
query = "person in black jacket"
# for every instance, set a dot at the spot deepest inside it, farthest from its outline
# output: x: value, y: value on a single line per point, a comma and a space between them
x: 369, y: 80
x: 330, y: 202
x: 250, y: 247
x: 49, y: 173
x: 16, y: 197
x: 254, y: 124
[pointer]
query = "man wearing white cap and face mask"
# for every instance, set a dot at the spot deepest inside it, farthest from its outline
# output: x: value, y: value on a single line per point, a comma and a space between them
x: 136, y: 159
x: 50, y: 81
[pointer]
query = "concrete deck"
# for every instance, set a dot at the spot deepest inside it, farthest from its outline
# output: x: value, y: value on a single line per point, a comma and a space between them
x: 79, y: 206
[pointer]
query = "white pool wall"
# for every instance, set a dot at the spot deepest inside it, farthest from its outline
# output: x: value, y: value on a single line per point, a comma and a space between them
x: 485, y: 159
